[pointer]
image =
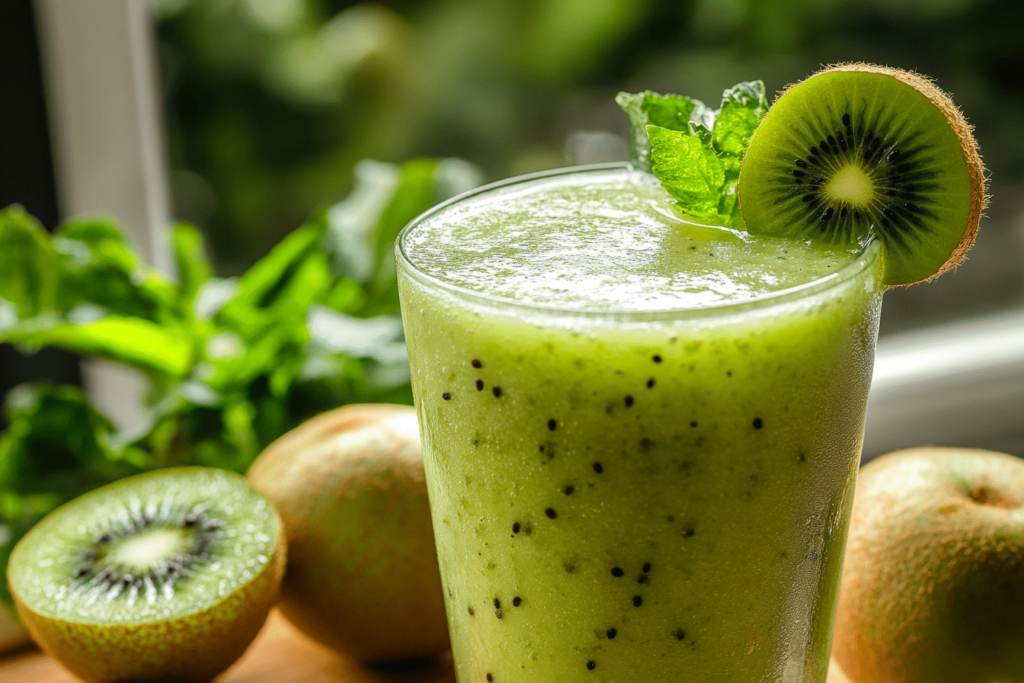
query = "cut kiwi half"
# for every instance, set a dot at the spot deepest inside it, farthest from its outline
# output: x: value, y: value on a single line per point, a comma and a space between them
x: 858, y: 152
x: 166, y: 576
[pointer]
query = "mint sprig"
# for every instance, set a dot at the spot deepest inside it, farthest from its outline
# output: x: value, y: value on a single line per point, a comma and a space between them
x: 693, y: 150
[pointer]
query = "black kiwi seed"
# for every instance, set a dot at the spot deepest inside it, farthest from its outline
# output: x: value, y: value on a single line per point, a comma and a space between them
x: 516, y: 601
x: 611, y: 633
x: 637, y: 601
x: 591, y: 664
x: 617, y: 572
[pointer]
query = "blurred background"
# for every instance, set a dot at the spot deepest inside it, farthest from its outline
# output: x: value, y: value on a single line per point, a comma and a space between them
x: 269, y: 103
x: 248, y: 117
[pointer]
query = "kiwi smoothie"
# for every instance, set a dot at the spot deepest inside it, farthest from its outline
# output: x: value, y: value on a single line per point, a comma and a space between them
x: 641, y: 435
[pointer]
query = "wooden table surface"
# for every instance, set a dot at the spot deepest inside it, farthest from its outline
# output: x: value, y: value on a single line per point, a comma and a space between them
x: 280, y: 654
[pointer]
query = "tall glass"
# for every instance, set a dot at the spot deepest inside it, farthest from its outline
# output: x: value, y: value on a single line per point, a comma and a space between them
x: 641, y: 496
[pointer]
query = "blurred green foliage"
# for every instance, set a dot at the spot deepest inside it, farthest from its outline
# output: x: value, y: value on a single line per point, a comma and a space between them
x: 233, y: 363
x: 271, y: 102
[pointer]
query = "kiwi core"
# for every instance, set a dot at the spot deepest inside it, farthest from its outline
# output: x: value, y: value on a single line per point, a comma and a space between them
x: 851, y: 185
x: 150, y: 547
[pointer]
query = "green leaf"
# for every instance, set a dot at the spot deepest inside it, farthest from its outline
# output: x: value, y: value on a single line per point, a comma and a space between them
x: 99, y: 266
x: 711, y: 143
x: 57, y: 443
x: 743, y: 105
x: 276, y: 290
x: 28, y: 264
x: 354, y: 221
x: 378, y: 337
x: 194, y: 267
x: 262, y: 284
x: 364, y: 226
x: 413, y: 196
x: 87, y: 330
x: 648, y: 108
x: 692, y: 173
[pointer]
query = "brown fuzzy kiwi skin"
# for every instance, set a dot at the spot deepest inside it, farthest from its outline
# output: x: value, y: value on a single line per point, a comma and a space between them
x: 362, y: 575
x: 933, y: 582
x: 964, y: 133
x: 194, y: 648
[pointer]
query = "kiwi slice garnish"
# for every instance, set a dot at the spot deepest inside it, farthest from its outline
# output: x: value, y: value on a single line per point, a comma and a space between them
x: 166, y: 576
x: 858, y: 152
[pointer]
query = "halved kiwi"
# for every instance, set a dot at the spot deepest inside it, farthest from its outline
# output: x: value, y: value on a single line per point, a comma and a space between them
x: 166, y: 576
x: 857, y: 151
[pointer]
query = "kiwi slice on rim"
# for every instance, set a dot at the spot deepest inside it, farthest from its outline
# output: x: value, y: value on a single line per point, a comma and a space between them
x: 165, y: 576
x: 858, y: 151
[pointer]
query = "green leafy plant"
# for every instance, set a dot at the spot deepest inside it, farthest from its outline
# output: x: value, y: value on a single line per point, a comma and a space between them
x: 693, y: 150
x: 232, y: 363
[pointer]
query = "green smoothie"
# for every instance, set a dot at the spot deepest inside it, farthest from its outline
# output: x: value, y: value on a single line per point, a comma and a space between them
x: 641, y: 435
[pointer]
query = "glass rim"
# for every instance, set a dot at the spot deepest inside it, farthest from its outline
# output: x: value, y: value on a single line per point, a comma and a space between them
x: 864, y: 260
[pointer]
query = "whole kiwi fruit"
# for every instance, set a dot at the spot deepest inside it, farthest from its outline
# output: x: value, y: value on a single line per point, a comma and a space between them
x: 164, y: 576
x: 860, y: 152
x: 362, y: 574
x: 933, y: 584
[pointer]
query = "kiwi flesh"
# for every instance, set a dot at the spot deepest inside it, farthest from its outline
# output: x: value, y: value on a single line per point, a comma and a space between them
x: 858, y: 152
x: 165, y: 576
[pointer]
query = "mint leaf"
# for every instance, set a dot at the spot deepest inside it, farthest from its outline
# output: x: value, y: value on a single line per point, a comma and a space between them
x: 648, y: 108
x: 690, y: 171
x: 743, y: 105
x: 695, y: 151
